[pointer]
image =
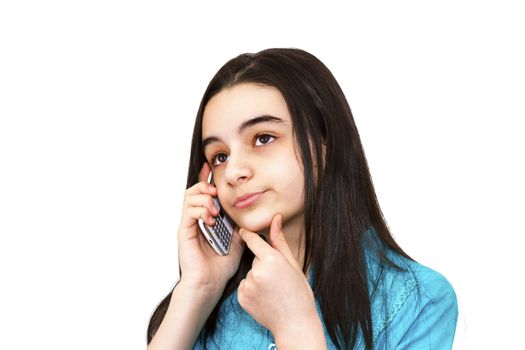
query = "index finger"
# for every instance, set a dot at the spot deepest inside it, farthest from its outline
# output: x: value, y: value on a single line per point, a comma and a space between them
x: 205, y: 172
x: 255, y: 243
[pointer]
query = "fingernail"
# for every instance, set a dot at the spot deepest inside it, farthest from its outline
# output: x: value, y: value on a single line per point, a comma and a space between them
x: 280, y: 222
x: 211, y: 188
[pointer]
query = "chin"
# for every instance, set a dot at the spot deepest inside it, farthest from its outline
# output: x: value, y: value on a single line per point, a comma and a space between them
x: 255, y: 222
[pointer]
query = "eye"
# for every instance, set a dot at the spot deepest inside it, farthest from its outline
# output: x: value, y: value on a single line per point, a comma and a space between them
x: 219, y: 157
x: 264, y: 139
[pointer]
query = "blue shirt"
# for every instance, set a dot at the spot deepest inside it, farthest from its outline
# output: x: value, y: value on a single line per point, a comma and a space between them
x: 416, y: 309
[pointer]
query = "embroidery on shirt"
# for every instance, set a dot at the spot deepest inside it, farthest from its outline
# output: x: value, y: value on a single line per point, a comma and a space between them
x: 399, y: 300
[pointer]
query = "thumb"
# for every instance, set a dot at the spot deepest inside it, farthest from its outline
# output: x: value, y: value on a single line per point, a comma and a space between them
x: 278, y: 241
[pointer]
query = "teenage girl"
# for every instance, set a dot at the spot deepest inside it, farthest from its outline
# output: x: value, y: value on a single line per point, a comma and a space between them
x: 312, y: 264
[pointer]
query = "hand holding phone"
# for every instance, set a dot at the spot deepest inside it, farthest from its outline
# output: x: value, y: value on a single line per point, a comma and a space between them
x: 199, y: 265
x: 219, y: 236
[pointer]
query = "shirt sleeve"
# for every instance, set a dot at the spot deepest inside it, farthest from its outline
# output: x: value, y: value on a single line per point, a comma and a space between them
x: 428, y: 318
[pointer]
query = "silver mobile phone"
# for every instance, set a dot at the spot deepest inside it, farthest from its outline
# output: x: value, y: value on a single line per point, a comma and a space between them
x: 219, y: 236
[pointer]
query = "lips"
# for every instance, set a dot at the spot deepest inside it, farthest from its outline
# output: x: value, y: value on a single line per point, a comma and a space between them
x: 246, y: 199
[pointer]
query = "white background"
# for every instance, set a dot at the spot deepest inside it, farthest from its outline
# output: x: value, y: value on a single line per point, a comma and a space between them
x: 97, y: 102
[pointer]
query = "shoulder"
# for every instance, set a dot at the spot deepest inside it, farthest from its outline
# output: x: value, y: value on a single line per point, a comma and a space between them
x: 412, y: 302
x: 434, y: 286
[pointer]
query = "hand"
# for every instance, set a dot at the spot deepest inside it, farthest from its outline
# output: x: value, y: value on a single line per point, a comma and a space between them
x: 275, y: 291
x: 200, y: 265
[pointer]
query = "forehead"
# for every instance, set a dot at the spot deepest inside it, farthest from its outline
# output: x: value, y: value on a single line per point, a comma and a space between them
x: 230, y: 107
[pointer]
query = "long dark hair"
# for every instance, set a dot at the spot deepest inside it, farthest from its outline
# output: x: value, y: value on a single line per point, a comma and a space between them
x: 340, y: 201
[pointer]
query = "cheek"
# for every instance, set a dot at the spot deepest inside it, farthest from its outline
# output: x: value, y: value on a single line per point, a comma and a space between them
x: 288, y: 176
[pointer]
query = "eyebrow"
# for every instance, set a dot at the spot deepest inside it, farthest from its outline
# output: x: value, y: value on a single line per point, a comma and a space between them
x: 266, y: 118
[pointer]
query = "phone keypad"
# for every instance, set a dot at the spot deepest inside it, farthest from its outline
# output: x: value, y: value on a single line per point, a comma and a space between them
x: 222, y: 233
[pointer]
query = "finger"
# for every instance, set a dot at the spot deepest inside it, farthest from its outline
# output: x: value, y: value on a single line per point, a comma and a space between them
x: 201, y: 188
x: 241, y: 284
x: 189, y: 220
x: 205, y: 172
x: 255, y: 263
x: 236, y: 237
x: 240, y: 292
x: 255, y: 243
x: 196, y: 213
x: 202, y: 200
x: 278, y: 241
x: 237, y: 246
x: 249, y: 276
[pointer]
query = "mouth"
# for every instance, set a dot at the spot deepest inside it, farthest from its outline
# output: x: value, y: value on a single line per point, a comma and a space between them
x: 247, y: 199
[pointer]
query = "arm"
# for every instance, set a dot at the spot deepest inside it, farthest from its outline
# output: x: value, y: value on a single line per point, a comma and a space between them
x: 204, y: 273
x: 307, y: 335
x: 188, y: 310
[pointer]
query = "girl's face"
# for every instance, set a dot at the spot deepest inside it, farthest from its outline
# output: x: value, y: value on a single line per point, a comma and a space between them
x: 248, y: 142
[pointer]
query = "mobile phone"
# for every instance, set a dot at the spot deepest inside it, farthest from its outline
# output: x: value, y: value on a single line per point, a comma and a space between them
x: 219, y: 236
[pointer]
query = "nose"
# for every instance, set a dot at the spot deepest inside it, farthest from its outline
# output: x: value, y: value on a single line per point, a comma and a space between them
x: 238, y: 169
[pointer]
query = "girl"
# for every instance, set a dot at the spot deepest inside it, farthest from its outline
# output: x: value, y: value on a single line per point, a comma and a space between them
x: 312, y: 263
